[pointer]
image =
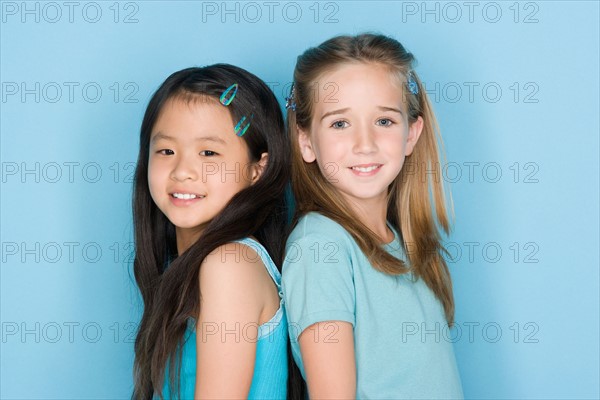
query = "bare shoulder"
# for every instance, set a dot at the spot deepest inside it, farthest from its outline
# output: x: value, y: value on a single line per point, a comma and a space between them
x: 234, y: 269
x: 233, y: 259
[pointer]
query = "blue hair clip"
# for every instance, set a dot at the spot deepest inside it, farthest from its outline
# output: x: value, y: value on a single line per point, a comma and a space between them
x: 289, y: 101
x: 411, y: 83
x: 240, y: 128
x: 227, y: 100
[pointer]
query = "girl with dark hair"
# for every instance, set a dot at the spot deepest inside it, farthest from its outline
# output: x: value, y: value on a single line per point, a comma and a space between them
x: 210, y: 216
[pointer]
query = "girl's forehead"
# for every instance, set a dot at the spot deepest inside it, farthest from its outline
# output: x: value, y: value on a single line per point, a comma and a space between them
x: 347, y: 81
x: 201, y: 109
x: 193, y: 98
x: 191, y: 101
x: 350, y: 71
x: 187, y: 117
x: 361, y: 85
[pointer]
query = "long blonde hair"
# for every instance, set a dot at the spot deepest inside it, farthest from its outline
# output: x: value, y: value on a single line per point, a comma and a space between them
x: 416, y: 202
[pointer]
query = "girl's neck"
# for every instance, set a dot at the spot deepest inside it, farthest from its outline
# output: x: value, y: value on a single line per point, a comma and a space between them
x: 374, y: 217
x: 185, y: 238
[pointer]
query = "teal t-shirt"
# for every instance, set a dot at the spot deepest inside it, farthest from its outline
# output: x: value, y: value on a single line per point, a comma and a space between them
x: 269, y: 380
x: 402, y: 343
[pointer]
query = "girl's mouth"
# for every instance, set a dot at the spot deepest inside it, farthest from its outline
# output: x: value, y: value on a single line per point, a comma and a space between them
x: 366, y: 169
x: 186, y: 196
x: 185, y: 199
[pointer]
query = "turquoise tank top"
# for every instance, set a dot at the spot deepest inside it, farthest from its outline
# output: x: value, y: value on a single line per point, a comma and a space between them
x: 269, y: 380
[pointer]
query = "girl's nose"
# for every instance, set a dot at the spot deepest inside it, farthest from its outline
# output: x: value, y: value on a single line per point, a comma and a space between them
x: 184, y: 169
x: 365, y: 140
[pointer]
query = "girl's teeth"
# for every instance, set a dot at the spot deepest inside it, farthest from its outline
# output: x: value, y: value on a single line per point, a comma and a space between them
x: 185, y: 196
x: 365, y: 169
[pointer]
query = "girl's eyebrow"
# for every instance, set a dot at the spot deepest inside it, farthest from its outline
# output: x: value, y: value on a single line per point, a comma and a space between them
x: 343, y: 110
x: 340, y: 111
x: 159, y: 136
x: 215, y: 139
x: 382, y: 108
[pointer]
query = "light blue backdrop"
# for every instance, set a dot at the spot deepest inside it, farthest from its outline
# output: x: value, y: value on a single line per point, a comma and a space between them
x: 515, y: 88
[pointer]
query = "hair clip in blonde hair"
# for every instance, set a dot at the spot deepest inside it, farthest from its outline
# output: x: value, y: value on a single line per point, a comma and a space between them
x: 411, y: 83
x: 290, y: 101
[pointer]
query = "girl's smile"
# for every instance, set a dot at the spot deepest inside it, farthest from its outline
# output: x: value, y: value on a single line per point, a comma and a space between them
x: 182, y: 198
x: 366, y: 169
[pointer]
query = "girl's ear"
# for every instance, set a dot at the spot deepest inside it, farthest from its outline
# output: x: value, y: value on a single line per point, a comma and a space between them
x: 306, y: 148
x: 259, y: 166
x: 414, y: 132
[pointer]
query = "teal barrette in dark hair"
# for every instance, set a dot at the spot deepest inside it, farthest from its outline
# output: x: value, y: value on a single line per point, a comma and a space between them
x: 224, y: 99
x: 411, y: 83
x: 241, y: 126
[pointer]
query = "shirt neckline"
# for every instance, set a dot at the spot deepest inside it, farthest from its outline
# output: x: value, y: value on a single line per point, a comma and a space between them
x: 390, y: 245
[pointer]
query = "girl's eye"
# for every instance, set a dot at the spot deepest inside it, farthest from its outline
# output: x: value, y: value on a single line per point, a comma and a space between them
x: 339, y: 124
x: 208, y: 153
x: 385, y: 122
x: 165, y: 152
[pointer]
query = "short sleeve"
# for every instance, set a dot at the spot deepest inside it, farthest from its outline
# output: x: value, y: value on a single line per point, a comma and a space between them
x: 317, y: 282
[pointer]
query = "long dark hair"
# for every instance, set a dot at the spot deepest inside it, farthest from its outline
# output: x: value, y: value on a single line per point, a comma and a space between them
x: 171, y: 295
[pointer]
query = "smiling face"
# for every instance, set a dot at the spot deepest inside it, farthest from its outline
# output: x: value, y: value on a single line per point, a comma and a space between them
x: 360, y: 141
x: 196, y: 164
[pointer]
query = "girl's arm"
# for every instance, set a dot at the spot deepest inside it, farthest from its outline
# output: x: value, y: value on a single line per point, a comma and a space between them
x: 232, y: 291
x: 327, y: 350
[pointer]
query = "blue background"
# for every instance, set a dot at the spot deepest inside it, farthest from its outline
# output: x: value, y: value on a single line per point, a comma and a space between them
x: 522, y: 151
